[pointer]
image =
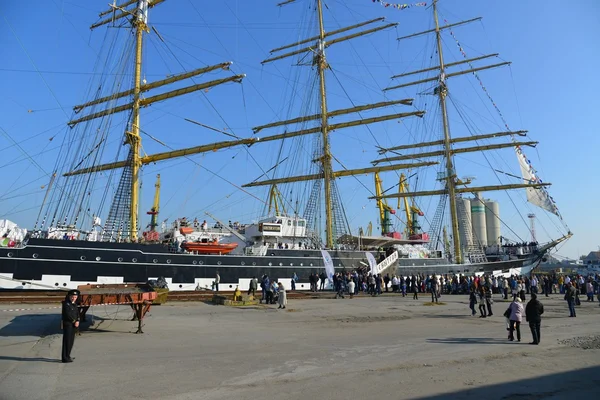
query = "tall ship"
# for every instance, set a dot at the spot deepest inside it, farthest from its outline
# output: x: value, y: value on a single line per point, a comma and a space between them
x: 304, y: 229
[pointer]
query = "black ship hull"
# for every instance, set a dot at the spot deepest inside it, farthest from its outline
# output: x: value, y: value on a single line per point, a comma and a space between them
x: 45, y: 263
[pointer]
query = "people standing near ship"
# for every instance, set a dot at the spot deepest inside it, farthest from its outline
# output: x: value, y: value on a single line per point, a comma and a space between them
x: 339, y: 285
x: 282, y: 300
x: 415, y: 289
x: 275, y: 291
x: 561, y: 284
x: 433, y: 287
x: 472, y: 301
x: 378, y: 282
x: 269, y: 291
x: 516, y: 316
x: 481, y: 301
x: 371, y: 285
x: 395, y: 284
x: 489, y: 301
x: 505, y: 287
x: 217, y: 281
x: 386, y: 280
x: 590, y: 290
x: 294, y: 280
x: 69, y: 322
x: 581, y: 284
x: 533, y: 315
x: 323, y: 277
x: 253, y: 286
x: 264, y: 284
x: 351, y: 287
x: 534, y: 285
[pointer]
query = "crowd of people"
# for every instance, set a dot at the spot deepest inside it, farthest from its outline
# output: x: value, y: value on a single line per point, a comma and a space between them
x: 480, y: 289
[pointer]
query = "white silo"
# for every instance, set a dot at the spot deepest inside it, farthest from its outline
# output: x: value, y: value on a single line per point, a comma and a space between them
x: 464, y: 229
x: 492, y: 221
x: 478, y: 221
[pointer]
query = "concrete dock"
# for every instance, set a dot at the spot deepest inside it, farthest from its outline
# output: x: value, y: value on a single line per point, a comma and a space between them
x: 385, y: 347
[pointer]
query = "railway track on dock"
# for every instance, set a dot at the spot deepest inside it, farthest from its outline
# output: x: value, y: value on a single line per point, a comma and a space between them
x: 55, y: 297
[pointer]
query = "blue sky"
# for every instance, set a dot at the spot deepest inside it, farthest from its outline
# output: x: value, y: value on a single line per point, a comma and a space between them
x: 48, y: 53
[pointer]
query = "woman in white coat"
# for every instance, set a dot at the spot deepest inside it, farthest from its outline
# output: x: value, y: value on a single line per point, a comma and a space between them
x: 516, y: 316
x: 282, y: 296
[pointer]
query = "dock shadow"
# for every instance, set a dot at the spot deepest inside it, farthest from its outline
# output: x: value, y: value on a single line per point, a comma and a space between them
x: 445, y: 316
x: 41, y: 325
x: 572, y: 384
x: 35, y: 359
x: 471, y: 341
x: 32, y: 325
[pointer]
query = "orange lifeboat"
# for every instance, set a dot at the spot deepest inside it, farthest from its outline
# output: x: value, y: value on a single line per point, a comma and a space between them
x: 213, y: 247
x: 186, y: 230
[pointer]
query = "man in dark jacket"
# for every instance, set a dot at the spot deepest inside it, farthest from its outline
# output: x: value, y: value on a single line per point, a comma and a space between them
x: 570, y: 294
x: 533, y: 315
x: 70, y: 321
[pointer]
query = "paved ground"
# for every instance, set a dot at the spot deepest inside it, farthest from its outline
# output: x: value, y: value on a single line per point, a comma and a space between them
x: 316, y: 349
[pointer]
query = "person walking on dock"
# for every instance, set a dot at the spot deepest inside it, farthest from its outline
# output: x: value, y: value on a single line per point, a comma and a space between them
x: 570, y: 294
x: 533, y: 315
x: 516, y: 316
x: 69, y: 321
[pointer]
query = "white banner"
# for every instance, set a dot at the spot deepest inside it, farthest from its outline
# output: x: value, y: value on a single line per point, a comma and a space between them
x: 329, y: 270
x: 372, y: 262
x: 386, y: 263
x: 537, y: 196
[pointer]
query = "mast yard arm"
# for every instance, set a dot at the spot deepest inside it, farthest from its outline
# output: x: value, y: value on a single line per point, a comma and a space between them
x: 159, y: 97
x: 490, y: 188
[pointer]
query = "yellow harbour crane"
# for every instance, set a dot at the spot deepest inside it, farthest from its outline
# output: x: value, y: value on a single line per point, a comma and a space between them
x: 413, y: 229
x: 385, y: 211
x: 152, y: 235
x: 155, y: 206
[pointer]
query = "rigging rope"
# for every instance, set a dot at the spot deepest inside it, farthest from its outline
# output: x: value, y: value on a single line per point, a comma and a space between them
x: 518, y: 149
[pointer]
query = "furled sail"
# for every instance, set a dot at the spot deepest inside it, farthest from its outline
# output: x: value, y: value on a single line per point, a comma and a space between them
x: 537, y: 196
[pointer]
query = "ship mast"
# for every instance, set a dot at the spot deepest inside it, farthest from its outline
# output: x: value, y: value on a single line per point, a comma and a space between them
x: 133, y: 135
x: 133, y: 139
x: 453, y: 186
x: 325, y: 128
x: 321, y: 63
x: 442, y: 91
x: 139, y: 17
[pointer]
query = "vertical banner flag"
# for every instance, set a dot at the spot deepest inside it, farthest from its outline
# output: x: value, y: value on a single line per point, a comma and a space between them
x: 372, y: 262
x: 329, y: 270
